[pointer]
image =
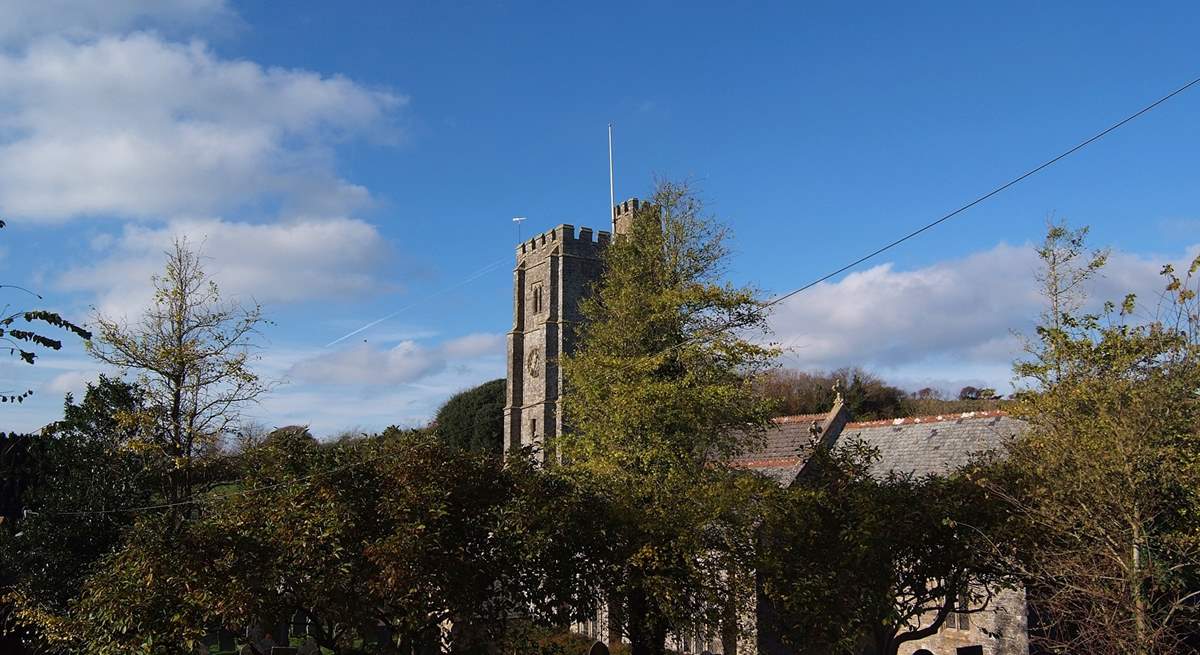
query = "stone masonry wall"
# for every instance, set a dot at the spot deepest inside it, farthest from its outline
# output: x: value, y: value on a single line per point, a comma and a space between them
x: 1000, y: 630
x: 554, y: 271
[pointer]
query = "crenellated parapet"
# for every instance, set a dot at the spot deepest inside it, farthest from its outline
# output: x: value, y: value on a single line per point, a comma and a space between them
x: 623, y: 215
x: 555, y: 272
x: 586, y: 243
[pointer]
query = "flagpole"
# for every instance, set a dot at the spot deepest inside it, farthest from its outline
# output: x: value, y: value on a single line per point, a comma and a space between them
x: 612, y: 197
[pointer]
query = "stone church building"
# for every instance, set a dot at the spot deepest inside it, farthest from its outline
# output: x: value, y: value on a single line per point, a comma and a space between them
x: 555, y: 269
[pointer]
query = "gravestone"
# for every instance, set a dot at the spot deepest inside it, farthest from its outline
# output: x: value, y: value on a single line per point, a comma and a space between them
x: 598, y: 648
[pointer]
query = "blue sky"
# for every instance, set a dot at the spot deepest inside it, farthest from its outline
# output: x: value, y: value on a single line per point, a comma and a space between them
x: 342, y: 162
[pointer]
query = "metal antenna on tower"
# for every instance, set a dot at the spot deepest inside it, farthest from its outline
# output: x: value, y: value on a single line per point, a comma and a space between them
x: 612, y: 196
x: 518, y: 220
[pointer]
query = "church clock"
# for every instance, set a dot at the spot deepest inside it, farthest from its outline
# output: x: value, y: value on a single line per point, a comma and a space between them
x: 533, y: 363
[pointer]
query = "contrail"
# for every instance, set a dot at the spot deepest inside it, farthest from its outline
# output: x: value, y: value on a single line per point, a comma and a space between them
x: 474, y: 276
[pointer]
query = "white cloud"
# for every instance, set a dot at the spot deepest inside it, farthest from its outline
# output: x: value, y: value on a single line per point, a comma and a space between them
x: 305, y: 259
x: 71, y: 382
x: 949, y: 321
x: 473, y: 345
x: 364, y: 364
x: 369, y: 399
x: 139, y: 127
x: 407, y: 362
x: 26, y: 19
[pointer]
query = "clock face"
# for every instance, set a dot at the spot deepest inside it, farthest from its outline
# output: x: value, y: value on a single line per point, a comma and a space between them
x: 534, y: 362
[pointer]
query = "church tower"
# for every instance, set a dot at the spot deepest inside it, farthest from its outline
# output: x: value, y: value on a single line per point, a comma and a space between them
x: 554, y: 272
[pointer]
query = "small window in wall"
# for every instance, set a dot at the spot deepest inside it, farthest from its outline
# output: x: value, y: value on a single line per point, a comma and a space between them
x: 969, y: 650
x: 957, y: 620
x: 538, y: 299
x: 533, y: 427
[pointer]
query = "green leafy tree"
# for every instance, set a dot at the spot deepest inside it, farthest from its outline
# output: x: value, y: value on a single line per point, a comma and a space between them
x: 866, y: 396
x: 474, y: 419
x: 659, y: 397
x: 192, y: 353
x: 1108, y: 474
x: 379, y: 542
x: 80, y: 479
x: 850, y: 557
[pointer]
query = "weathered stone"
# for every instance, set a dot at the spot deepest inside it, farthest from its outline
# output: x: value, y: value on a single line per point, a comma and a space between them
x: 555, y: 270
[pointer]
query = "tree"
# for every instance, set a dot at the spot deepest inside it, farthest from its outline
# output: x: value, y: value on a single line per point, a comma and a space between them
x: 379, y: 543
x: 866, y: 396
x: 928, y: 393
x: 18, y: 340
x: 192, y: 354
x: 80, y: 477
x: 474, y: 419
x: 977, y: 393
x: 849, y: 555
x: 1108, y: 472
x: 659, y: 398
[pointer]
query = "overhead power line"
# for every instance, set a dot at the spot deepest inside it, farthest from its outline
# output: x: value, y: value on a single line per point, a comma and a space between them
x: 1016, y: 180
x: 775, y: 301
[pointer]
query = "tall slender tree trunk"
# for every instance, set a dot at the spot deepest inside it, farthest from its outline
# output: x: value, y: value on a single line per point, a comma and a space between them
x: 729, y: 618
x: 175, y: 486
x: 647, y: 632
x: 616, y: 618
x: 884, y: 644
x: 1137, y: 588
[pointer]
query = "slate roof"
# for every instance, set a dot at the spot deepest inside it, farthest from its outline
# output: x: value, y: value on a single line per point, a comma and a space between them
x: 933, y: 444
x: 785, y: 447
x: 920, y: 445
x: 790, y: 436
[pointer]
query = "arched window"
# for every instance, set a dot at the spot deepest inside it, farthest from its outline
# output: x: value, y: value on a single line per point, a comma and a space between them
x: 538, y: 299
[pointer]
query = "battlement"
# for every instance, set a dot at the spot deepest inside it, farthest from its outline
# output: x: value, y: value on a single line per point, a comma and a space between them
x: 565, y: 234
x: 623, y: 213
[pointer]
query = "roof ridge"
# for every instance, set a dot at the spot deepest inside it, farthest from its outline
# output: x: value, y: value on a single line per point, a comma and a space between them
x: 768, y: 462
x: 797, y: 418
x: 933, y: 418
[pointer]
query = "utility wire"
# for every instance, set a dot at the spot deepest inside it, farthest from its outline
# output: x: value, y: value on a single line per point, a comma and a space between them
x: 1014, y: 181
x: 928, y: 226
x: 1031, y: 172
